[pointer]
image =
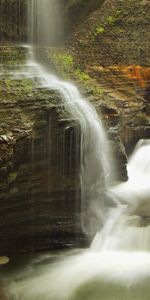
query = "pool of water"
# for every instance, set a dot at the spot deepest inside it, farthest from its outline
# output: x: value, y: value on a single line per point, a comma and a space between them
x: 78, y: 275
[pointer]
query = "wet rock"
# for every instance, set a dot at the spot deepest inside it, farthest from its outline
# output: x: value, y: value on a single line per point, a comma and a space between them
x: 13, y: 21
x: 4, y: 260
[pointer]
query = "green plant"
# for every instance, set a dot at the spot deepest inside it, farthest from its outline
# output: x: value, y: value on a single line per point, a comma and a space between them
x: 63, y: 63
x: 68, y: 60
x: 82, y: 76
x: 65, y: 60
x: 98, y: 91
x: 110, y: 20
x: 99, y: 30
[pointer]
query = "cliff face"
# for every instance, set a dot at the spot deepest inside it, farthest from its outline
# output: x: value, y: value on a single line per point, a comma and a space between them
x: 115, y: 32
x: 110, y: 45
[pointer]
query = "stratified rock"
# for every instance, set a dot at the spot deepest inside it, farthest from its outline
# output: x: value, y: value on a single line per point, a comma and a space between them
x: 110, y: 43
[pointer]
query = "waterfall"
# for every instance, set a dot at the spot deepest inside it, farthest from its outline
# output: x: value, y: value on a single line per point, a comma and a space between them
x: 45, y: 26
x: 95, y: 170
x: 125, y: 223
x: 117, y: 265
x: 127, y: 226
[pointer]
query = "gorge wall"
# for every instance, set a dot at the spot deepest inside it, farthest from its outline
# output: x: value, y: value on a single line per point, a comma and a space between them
x: 109, y: 52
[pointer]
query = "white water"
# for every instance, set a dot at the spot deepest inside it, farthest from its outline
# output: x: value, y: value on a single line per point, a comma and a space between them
x: 45, y: 23
x: 95, y: 168
x: 90, y: 275
x: 117, y: 266
x: 94, y: 153
x: 128, y: 225
x: 136, y: 191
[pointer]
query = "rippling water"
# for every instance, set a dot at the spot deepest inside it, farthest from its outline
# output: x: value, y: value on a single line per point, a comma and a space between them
x: 79, y: 275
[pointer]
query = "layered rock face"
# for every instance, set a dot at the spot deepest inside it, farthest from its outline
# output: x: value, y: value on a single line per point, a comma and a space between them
x: 126, y: 91
x: 111, y: 45
x: 39, y: 164
x: 108, y: 48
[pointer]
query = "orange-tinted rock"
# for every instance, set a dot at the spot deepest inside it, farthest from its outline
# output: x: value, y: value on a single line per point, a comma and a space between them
x: 138, y: 73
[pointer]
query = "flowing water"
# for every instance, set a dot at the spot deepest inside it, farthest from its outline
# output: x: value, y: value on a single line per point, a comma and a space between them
x: 117, y: 265
x: 44, y: 22
x: 128, y: 226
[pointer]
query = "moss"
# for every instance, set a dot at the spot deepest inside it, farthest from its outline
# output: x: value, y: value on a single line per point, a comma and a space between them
x: 99, y: 30
x: 63, y: 62
x: 82, y: 76
x: 12, y: 177
x: 88, y: 83
x: 12, y: 55
x: 65, y: 59
x: 66, y: 67
x: 17, y: 86
x: 110, y: 20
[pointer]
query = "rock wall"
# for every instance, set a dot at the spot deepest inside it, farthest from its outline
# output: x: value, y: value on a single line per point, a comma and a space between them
x: 110, y: 44
x: 115, y: 32
x: 13, y: 21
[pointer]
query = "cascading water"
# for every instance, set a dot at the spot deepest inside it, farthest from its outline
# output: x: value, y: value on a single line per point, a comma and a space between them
x: 117, y: 265
x: 45, y: 26
x: 128, y: 225
x: 95, y: 169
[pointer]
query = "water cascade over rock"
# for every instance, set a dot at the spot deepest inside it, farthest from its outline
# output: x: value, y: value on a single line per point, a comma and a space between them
x: 127, y: 227
x: 45, y: 26
x: 117, y: 265
x: 95, y: 161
